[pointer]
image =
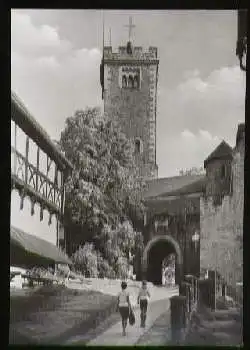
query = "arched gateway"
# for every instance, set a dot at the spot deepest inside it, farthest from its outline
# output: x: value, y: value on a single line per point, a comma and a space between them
x: 154, y: 253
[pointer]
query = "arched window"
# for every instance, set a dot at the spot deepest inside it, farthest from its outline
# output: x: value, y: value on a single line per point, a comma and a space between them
x: 124, y: 81
x: 138, y: 146
x: 136, y: 82
x: 130, y: 82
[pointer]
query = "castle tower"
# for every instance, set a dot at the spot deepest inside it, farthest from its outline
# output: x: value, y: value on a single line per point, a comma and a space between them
x: 129, y: 81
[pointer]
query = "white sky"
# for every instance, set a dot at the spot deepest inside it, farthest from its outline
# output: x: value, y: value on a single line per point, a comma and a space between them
x: 55, y: 57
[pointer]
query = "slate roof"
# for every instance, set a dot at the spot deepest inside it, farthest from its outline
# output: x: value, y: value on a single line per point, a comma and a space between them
x: 223, y: 150
x: 169, y: 185
x: 197, y: 186
x: 173, y: 206
x: 38, y: 246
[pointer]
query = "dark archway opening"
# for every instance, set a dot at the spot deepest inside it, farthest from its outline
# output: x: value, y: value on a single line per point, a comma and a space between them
x: 157, y: 252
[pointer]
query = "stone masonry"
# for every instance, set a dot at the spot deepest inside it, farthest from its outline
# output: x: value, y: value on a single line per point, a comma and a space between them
x: 134, y: 109
x: 220, y: 224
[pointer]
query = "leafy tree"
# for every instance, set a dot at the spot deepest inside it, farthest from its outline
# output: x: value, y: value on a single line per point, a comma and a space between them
x: 103, y: 193
x: 192, y: 171
x: 85, y: 260
x: 104, y: 187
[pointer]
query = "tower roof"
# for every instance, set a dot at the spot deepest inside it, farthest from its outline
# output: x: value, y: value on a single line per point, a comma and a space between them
x: 223, y: 150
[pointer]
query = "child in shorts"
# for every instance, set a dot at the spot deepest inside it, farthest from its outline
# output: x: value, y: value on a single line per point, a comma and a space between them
x: 143, y: 298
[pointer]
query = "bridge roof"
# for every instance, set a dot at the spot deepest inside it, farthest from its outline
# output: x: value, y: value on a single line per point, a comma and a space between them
x: 23, y: 118
x: 173, y: 186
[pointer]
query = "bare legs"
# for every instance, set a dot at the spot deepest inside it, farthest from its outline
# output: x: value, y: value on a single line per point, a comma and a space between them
x: 143, y: 317
x: 124, y: 325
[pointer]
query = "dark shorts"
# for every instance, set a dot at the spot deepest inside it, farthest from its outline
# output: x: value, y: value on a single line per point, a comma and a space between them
x: 143, y: 305
x: 124, y: 311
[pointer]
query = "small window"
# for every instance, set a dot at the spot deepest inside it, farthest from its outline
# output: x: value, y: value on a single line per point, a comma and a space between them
x: 223, y: 171
x: 138, y: 146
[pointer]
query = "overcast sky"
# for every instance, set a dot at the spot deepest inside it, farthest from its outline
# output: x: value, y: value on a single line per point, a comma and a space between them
x: 55, y: 57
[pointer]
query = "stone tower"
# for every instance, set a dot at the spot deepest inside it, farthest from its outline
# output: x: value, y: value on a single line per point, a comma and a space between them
x: 129, y: 81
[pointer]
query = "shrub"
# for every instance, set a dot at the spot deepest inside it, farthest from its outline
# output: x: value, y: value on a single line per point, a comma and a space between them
x: 85, y: 260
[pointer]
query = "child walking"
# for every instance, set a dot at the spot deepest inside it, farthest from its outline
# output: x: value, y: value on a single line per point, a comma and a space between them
x: 124, y: 306
x: 143, y: 298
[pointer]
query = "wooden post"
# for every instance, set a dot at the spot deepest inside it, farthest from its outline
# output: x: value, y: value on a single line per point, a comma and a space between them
x: 178, y: 317
x: 37, y: 166
x: 212, y: 277
x: 26, y: 159
x: 206, y: 293
x: 224, y: 289
x: 184, y: 290
x: 15, y: 156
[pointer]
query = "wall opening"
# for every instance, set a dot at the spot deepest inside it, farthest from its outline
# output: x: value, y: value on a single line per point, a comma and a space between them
x: 138, y: 146
x: 159, y: 251
x: 168, y: 270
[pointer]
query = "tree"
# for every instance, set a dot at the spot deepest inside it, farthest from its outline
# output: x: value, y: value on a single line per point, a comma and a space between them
x: 104, y: 187
x: 85, y: 260
x: 103, y: 193
x: 192, y: 171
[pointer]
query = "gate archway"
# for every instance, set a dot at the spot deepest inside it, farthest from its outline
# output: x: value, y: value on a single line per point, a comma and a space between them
x: 155, y: 251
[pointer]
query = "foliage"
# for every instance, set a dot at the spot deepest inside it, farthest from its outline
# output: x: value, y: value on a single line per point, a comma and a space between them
x: 85, y: 260
x: 192, y: 171
x: 104, y: 269
x: 103, y: 188
x: 117, y: 246
x: 103, y: 193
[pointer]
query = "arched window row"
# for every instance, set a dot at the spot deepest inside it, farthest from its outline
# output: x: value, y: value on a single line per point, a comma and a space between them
x: 130, y: 81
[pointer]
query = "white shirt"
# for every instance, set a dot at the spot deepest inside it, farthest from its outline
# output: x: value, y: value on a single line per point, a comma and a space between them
x: 123, y: 298
x: 143, y: 294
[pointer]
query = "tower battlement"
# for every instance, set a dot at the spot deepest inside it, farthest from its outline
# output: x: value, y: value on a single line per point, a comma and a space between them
x: 137, y: 53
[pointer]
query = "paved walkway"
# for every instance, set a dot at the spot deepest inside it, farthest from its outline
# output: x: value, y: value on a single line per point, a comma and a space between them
x: 113, y: 336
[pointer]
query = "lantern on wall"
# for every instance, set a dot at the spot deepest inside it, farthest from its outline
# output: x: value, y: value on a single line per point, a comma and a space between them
x: 241, y: 48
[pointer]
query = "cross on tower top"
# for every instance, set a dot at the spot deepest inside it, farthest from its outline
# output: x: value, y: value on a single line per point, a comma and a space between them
x: 130, y: 26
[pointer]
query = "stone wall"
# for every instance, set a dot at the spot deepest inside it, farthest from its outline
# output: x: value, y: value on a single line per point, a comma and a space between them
x: 222, y: 224
x: 134, y: 109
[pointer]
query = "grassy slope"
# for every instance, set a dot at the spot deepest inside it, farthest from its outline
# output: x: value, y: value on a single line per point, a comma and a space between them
x: 51, y: 314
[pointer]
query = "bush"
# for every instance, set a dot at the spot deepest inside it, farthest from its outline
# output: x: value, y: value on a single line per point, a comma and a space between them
x: 104, y: 269
x: 85, y: 260
x: 122, y: 268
